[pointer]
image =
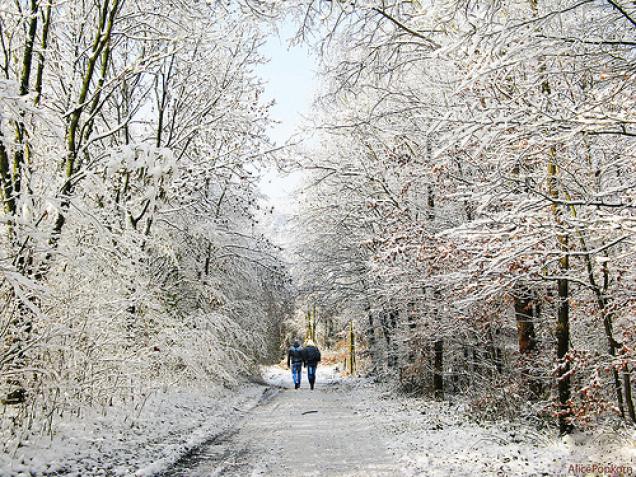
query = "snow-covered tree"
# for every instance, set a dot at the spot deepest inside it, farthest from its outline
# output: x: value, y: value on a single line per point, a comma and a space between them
x: 132, y: 254
x: 496, y: 146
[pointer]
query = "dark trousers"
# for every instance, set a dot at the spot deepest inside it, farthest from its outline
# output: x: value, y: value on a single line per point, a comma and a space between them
x: 311, y: 374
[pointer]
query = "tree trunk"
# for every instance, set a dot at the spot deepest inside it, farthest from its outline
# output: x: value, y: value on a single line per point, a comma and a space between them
x: 562, y: 333
x: 39, y: 75
x: 393, y: 320
x: 25, y: 78
x: 373, y: 345
x: 608, y: 326
x: 563, y: 346
x: 352, y: 349
x: 7, y: 187
x: 627, y: 387
x: 526, y: 310
x: 388, y: 321
x: 525, y: 325
x: 411, y: 325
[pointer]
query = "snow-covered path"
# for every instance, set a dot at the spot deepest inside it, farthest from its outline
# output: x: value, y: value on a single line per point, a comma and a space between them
x: 354, y: 428
x: 300, y: 432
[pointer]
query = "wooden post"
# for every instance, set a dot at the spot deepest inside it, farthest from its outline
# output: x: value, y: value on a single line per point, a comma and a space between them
x: 313, y: 325
x: 352, y: 349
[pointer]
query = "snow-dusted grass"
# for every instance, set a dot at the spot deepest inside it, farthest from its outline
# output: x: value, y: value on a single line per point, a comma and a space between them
x: 437, y: 439
x: 132, y: 440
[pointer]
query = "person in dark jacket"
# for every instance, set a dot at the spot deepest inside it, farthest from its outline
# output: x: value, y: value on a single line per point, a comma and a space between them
x: 295, y: 361
x: 311, y: 358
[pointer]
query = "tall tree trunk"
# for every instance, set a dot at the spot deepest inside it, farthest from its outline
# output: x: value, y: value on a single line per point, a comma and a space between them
x: 22, y: 322
x: 627, y: 388
x: 388, y: 321
x: 25, y: 79
x: 613, y: 345
x: 438, y: 345
x: 562, y: 333
x: 39, y: 75
x: 608, y: 319
x: 394, y: 320
x: 372, y: 340
x: 8, y: 200
x: 352, y: 349
x: 563, y: 346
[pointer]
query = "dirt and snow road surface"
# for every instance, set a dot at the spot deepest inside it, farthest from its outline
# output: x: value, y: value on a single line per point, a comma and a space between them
x: 352, y: 428
x: 297, y: 432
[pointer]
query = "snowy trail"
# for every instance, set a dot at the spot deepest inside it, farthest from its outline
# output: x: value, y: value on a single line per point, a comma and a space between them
x: 354, y: 428
x: 300, y: 432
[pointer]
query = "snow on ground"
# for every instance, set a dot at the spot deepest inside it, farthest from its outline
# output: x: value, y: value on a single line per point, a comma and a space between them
x: 281, y: 377
x: 437, y: 439
x: 299, y: 432
x: 417, y: 437
x: 138, y: 441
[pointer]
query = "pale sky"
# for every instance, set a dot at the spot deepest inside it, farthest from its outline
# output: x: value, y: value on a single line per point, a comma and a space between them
x: 291, y: 83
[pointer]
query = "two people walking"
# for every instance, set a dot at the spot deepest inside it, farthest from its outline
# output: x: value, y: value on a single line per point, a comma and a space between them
x: 297, y: 357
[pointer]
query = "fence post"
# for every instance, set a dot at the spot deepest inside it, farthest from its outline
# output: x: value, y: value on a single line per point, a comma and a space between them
x: 313, y: 325
x: 352, y: 349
